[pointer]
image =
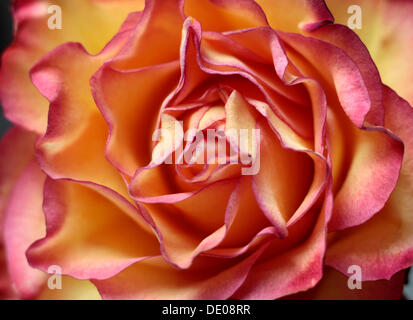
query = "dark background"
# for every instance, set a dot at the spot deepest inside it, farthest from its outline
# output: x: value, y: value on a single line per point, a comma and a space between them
x: 6, y: 27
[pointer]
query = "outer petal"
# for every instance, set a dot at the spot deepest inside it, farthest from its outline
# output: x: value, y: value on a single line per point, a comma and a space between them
x: 333, y: 286
x: 283, y: 180
x: 349, y: 42
x: 92, y: 22
x: 16, y: 148
x: 154, y: 279
x: 88, y: 235
x: 226, y: 15
x: 383, y: 245
x: 386, y: 31
x: 294, y: 270
x: 24, y: 223
x: 156, y: 37
x: 354, y: 98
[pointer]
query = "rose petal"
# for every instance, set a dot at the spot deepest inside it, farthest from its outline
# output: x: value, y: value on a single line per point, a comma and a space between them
x: 23, y: 224
x: 243, y: 218
x: 383, y: 245
x: 16, y: 147
x: 335, y: 67
x: 283, y: 180
x: 288, y: 101
x: 373, y: 171
x: 241, y: 116
x: 348, y: 41
x: 72, y: 289
x: 90, y: 234
x: 293, y: 143
x: 189, y: 219
x: 334, y: 286
x: 76, y: 130
x: 228, y: 15
x: 21, y: 101
x: 140, y: 108
x: 156, y: 38
x: 154, y: 279
x: 390, y: 44
x: 291, y: 271
x: 290, y: 15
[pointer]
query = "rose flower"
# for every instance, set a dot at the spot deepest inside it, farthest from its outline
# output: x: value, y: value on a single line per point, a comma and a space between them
x: 109, y: 173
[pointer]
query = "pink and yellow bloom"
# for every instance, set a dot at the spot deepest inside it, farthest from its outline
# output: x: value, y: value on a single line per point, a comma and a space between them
x: 83, y: 185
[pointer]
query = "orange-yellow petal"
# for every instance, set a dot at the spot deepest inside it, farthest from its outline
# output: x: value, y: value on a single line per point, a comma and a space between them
x: 334, y: 286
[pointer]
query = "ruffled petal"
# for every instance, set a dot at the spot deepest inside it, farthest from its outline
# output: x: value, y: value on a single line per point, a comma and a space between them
x: 140, y: 94
x: 372, y: 174
x: 295, y: 15
x: 189, y: 219
x: 283, y: 180
x: 336, y: 68
x: 72, y: 289
x: 23, y: 224
x: 92, y: 23
x: 348, y: 41
x: 228, y: 15
x: 76, y: 129
x: 155, y: 279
